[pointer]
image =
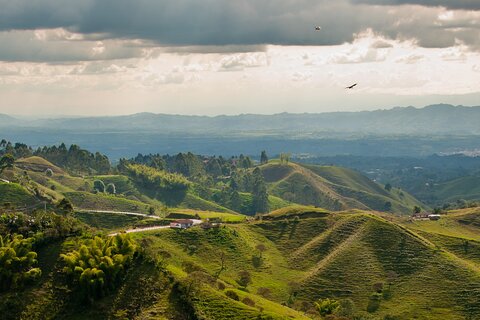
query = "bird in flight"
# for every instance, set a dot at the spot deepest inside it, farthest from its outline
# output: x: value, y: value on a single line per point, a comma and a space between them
x: 351, y: 87
x: 318, y: 28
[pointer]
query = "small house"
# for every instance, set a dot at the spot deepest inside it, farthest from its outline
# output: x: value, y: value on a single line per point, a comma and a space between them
x: 434, y: 217
x: 181, y: 224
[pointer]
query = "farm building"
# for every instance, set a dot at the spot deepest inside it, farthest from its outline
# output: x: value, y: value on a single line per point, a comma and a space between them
x: 181, y: 224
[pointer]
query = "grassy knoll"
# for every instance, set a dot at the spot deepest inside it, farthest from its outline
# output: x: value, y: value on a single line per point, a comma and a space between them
x: 16, y: 195
x: 192, y: 214
x: 334, y: 188
x: 85, y: 200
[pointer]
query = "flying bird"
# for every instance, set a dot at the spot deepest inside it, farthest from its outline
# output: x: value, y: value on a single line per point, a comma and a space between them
x: 318, y: 28
x: 351, y: 87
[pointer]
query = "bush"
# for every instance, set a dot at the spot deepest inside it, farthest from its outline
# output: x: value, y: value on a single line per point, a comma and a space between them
x: 98, y: 265
x: 17, y: 261
x: 111, y: 188
x: 264, y: 292
x: 248, y: 302
x: 232, y: 295
x: 49, y: 172
x: 99, y: 186
x: 327, y: 306
x: 221, y: 285
x: 374, y: 302
x: 244, y: 278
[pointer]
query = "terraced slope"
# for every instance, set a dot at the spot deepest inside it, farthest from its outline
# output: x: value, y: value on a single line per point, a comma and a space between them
x: 334, y: 188
x: 424, y: 276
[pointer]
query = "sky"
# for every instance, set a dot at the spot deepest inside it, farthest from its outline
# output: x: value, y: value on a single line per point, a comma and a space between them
x: 210, y: 57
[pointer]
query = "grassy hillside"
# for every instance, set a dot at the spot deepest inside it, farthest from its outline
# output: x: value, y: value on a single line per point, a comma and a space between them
x: 466, y: 188
x: 37, y: 164
x: 386, y: 270
x: 334, y: 188
x: 16, y: 195
x: 85, y: 200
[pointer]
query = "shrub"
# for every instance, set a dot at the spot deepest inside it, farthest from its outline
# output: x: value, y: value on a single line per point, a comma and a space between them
x: 97, y: 266
x: 232, y: 295
x: 327, y: 306
x: 99, y: 186
x: 111, y: 188
x: 244, y: 278
x: 248, y: 302
x: 49, y: 172
x: 17, y: 261
x: 374, y: 302
x: 264, y: 292
x: 221, y: 285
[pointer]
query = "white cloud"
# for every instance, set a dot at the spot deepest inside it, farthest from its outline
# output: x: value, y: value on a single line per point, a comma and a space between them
x: 238, y: 62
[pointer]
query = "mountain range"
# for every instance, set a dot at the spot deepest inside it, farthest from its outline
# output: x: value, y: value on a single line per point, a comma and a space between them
x: 433, y: 119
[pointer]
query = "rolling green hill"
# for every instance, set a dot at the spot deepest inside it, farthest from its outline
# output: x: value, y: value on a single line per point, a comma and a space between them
x: 334, y: 188
x: 466, y: 188
x: 294, y: 256
x: 16, y: 195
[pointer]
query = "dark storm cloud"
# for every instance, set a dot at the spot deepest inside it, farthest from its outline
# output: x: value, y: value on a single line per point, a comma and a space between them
x: 210, y: 25
x: 450, y: 4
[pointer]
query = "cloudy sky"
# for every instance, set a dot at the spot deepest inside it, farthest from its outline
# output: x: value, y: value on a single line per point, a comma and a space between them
x: 92, y: 57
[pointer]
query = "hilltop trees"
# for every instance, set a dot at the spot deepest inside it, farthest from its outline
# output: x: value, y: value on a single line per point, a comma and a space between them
x: 7, y: 161
x: 263, y: 157
x: 259, y: 192
x: 284, y: 158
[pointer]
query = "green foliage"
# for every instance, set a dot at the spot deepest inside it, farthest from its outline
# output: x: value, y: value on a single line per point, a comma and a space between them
x: 45, y: 226
x: 326, y: 306
x: 259, y: 192
x: 65, y: 206
x: 232, y: 295
x: 111, y: 188
x: 244, y: 278
x: 97, y: 266
x: 388, y: 187
x: 99, y: 186
x: 285, y: 158
x: 170, y: 187
x: 75, y: 159
x: 7, y: 161
x: 17, y: 261
x: 49, y: 172
x: 263, y: 157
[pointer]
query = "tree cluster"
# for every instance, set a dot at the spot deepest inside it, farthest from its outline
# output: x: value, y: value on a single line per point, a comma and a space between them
x: 98, y: 265
x: 17, y: 261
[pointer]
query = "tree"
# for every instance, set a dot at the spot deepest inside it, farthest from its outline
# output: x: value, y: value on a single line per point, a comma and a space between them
x: 99, y: 186
x: 151, y: 210
x: 7, y: 161
x: 388, y: 206
x: 98, y: 265
x: 417, y: 209
x: 259, y: 192
x: 65, y: 206
x: 49, y: 172
x: 17, y: 261
x: 261, y: 248
x: 263, y: 157
x: 326, y: 306
x: 244, y: 278
x: 111, y: 188
x: 284, y: 158
x: 223, y: 266
x: 388, y: 187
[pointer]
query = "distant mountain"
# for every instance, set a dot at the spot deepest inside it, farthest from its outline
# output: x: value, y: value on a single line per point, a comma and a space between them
x: 434, y: 119
x: 6, y: 120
